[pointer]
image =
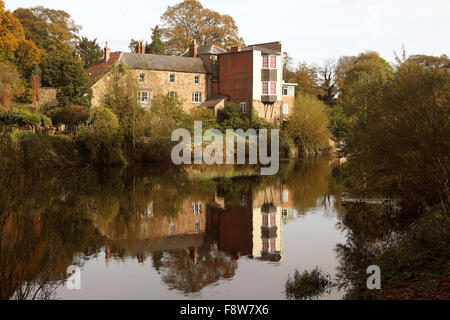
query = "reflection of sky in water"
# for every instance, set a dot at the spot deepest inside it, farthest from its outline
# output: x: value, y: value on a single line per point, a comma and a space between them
x: 309, y: 240
x: 151, y: 236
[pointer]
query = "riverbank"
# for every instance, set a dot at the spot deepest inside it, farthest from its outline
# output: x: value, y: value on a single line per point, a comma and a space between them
x: 417, y: 266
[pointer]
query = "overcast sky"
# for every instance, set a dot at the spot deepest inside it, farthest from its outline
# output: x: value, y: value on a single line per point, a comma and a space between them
x: 311, y: 31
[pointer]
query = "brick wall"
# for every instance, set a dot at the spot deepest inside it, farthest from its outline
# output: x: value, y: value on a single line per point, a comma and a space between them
x: 290, y: 101
x: 236, y: 76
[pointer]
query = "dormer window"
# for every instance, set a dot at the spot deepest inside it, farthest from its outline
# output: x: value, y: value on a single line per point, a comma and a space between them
x: 142, y: 77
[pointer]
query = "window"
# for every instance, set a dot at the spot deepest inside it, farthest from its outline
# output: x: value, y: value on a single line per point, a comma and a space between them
x: 172, y: 229
x: 142, y: 77
x: 269, y: 62
x: 197, y: 226
x: 265, y: 62
x: 144, y: 98
x: 273, y: 88
x: 243, y: 107
x: 273, y: 62
x: 197, y: 80
x: 265, y: 88
x: 197, y: 97
x: 172, y: 94
x: 172, y: 78
x: 197, y: 208
x: 289, y: 91
x: 269, y: 85
x: 285, y: 108
x: 285, y: 195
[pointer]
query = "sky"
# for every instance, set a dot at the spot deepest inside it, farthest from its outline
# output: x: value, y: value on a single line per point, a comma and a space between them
x: 311, y: 31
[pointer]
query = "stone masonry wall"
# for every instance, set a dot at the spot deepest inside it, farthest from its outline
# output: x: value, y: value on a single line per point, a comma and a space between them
x: 158, y: 82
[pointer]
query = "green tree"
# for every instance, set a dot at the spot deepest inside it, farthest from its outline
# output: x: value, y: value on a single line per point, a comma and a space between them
x: 120, y: 97
x: 101, y: 137
x: 89, y: 51
x: 157, y: 45
x: 61, y: 70
x: 308, y: 125
x: 404, y: 144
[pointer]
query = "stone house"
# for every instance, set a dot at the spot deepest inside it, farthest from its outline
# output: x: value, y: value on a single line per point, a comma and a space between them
x: 210, y: 76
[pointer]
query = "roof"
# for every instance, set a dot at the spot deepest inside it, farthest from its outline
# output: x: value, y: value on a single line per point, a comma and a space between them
x: 97, y: 70
x: 147, y: 62
x: 213, y: 49
x: 262, y: 49
x: 163, y: 63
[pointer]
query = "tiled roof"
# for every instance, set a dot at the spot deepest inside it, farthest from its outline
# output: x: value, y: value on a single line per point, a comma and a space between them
x: 163, y: 63
x: 97, y: 70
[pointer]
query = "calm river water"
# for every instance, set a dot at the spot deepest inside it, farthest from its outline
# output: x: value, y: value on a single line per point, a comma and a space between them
x: 168, y: 233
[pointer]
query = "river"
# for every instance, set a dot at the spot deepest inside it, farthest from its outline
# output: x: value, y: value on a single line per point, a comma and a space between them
x: 168, y: 233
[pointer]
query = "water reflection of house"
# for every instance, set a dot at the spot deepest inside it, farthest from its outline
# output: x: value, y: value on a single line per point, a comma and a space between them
x: 153, y: 232
x: 230, y: 226
x: 288, y: 211
x: 250, y: 226
x: 267, y: 226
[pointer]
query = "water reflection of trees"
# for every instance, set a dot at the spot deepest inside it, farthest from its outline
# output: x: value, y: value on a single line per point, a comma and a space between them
x: 51, y: 220
x: 190, y: 270
x: 369, y: 229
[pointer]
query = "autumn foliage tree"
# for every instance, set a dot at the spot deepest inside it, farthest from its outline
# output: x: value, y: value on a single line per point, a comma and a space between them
x: 50, y: 30
x: 189, y: 20
x: 14, y: 47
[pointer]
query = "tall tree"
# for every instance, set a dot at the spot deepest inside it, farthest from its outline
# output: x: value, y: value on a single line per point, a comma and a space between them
x: 157, y: 46
x: 287, y: 67
x: 307, y: 79
x: 89, y: 51
x: 14, y: 47
x: 49, y: 29
x: 62, y: 70
x: 328, y: 83
x: 362, y: 79
x: 189, y: 20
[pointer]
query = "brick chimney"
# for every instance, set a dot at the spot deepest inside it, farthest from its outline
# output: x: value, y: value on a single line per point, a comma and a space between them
x: 107, y: 52
x: 142, y: 47
x: 236, y: 49
x: 193, y: 49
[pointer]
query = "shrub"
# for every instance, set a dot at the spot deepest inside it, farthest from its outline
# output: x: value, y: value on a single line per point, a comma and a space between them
x: 308, y: 285
x: 339, y: 123
x: 100, y: 138
x: 308, y: 125
x: 72, y: 115
x: 207, y: 117
x: 21, y: 117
